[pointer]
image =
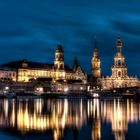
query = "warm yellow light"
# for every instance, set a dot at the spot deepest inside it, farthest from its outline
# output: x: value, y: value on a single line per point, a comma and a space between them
x: 66, y: 89
x: 6, y: 88
x: 14, y: 79
x: 39, y: 89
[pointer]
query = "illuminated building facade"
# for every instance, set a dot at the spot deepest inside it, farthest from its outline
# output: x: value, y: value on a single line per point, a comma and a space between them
x: 7, y: 75
x: 28, y: 71
x: 119, y: 77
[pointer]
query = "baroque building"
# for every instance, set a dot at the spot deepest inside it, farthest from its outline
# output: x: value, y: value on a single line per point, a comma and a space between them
x: 119, y: 77
x: 27, y: 71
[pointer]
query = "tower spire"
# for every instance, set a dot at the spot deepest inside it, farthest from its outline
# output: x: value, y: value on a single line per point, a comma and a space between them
x: 96, y: 71
x: 119, y: 44
x: 95, y: 54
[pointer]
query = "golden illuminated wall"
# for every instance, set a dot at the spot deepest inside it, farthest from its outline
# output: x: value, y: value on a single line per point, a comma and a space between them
x: 25, y: 75
x: 110, y: 83
x: 96, y: 71
x: 69, y: 75
x: 77, y: 75
x: 60, y: 74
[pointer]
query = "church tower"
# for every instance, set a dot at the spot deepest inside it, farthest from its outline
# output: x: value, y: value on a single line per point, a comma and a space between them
x: 59, y: 65
x: 59, y: 58
x: 96, y: 71
x: 119, y: 69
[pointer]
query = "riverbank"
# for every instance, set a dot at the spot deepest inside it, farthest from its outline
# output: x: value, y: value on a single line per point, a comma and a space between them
x: 84, y: 95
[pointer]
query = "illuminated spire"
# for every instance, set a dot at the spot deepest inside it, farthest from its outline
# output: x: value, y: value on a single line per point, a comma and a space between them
x: 96, y: 71
x: 95, y: 54
x: 119, y: 44
x: 59, y: 47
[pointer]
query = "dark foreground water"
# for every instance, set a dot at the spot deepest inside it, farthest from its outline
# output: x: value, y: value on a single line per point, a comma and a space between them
x: 73, y: 119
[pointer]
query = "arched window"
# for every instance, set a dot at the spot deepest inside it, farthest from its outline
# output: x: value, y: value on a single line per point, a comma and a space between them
x: 119, y: 74
x: 119, y: 62
x: 61, y: 66
x: 56, y: 66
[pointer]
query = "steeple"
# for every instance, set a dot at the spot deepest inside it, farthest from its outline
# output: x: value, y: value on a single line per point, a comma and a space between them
x: 59, y: 47
x: 75, y: 64
x: 96, y: 71
x: 119, y: 44
x: 95, y: 54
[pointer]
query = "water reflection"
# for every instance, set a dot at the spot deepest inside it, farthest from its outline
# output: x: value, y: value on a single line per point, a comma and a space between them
x: 58, y: 116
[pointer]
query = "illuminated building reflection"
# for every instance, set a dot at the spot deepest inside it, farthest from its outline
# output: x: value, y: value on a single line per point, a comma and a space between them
x: 119, y: 113
x: 57, y: 115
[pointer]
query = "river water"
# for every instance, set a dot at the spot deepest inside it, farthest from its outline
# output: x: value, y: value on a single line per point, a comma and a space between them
x: 69, y: 119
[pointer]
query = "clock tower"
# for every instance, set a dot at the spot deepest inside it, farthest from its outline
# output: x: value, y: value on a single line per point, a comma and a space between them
x: 59, y: 58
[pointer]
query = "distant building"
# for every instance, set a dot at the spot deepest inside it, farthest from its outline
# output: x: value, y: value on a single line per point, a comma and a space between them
x: 7, y: 74
x: 27, y: 71
x: 119, y: 77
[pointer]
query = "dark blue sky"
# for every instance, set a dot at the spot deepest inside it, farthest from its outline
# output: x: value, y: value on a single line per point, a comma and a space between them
x: 32, y: 28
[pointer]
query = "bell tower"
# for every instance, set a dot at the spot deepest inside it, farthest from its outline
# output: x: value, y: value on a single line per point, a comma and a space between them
x: 59, y: 58
x: 59, y: 65
x: 96, y: 71
x: 119, y: 69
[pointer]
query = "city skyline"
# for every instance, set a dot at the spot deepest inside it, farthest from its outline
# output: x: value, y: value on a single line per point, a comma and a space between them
x: 32, y: 31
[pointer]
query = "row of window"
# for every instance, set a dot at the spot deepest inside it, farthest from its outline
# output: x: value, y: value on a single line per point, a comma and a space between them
x: 7, y: 74
x: 35, y: 73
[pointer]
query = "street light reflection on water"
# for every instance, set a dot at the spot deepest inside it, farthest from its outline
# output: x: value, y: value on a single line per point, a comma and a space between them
x: 71, y: 118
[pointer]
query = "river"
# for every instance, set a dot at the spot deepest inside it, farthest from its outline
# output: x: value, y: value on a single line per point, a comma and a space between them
x: 69, y: 119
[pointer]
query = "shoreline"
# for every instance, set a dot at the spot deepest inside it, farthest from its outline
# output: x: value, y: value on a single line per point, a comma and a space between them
x: 84, y: 95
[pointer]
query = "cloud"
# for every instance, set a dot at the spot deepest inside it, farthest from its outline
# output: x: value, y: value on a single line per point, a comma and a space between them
x: 127, y: 26
x: 32, y: 28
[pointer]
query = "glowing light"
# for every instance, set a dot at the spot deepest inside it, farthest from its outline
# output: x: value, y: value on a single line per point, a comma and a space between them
x: 6, y: 88
x: 14, y: 79
x: 39, y: 89
x: 66, y: 89
x: 114, y: 90
x: 88, y: 88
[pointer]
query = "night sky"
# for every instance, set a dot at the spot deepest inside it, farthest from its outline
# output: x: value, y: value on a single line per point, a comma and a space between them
x: 31, y: 29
